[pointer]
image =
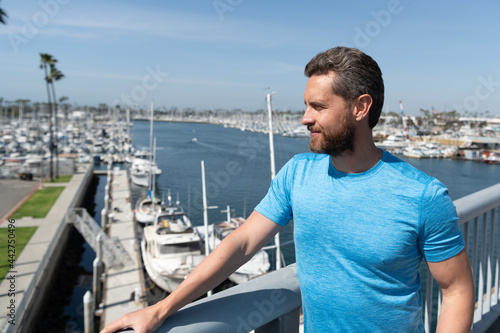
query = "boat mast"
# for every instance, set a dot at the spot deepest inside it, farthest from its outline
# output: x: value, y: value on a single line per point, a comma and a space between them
x: 151, y: 128
x: 152, y: 177
x: 205, y: 212
x: 271, y: 140
x: 273, y: 173
x: 151, y: 151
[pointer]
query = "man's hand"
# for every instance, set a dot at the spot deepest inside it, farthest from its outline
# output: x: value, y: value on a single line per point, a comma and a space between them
x: 141, y: 321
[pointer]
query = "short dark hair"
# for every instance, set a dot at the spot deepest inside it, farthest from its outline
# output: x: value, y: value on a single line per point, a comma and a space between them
x: 357, y: 74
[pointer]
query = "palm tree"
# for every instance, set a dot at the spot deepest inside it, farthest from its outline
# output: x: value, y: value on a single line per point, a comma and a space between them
x: 3, y: 16
x: 47, y: 59
x: 55, y: 75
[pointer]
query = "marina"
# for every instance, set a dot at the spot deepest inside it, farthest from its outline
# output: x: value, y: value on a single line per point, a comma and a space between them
x: 131, y: 151
x: 237, y: 170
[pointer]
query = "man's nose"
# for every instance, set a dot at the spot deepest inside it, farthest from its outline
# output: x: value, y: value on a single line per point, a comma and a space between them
x: 307, y: 118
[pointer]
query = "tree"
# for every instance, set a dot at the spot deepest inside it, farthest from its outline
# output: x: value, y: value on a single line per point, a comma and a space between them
x: 3, y: 16
x: 55, y: 75
x: 47, y: 60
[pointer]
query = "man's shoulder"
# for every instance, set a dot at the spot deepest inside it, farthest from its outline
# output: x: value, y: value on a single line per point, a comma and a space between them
x: 406, y: 170
x: 305, y: 163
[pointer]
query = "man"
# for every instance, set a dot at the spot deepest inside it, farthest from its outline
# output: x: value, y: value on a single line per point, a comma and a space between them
x: 363, y: 220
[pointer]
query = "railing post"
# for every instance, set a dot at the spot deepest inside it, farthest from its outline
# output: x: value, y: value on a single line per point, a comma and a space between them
x: 104, y: 218
x: 137, y: 295
x: 88, y: 312
x: 497, y: 261
x: 489, y: 280
x: 96, y: 277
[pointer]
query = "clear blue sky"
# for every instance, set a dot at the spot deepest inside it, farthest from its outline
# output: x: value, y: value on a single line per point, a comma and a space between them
x: 224, y: 53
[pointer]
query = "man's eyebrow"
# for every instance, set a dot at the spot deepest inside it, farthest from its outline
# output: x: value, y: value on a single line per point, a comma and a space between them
x: 316, y: 104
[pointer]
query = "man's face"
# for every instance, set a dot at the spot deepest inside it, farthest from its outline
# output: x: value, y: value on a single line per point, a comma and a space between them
x: 328, y: 118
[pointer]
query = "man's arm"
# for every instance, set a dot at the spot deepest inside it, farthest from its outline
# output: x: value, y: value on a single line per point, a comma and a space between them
x: 454, y: 275
x: 236, y: 249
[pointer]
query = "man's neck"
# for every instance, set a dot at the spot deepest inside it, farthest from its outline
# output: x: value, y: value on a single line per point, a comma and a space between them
x: 361, y: 159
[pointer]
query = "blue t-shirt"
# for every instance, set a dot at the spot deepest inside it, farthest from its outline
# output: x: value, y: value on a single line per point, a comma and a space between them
x: 360, y: 239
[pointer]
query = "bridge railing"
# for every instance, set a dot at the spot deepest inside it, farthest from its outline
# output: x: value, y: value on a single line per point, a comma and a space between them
x: 268, y: 304
x: 271, y: 303
x: 480, y: 223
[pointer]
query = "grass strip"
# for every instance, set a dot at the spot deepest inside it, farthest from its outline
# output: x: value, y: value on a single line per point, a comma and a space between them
x: 39, y: 204
x: 18, y: 238
x: 60, y: 179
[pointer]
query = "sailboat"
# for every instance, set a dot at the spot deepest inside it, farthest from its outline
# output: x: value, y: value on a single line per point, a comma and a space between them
x: 142, y: 168
x: 147, y: 207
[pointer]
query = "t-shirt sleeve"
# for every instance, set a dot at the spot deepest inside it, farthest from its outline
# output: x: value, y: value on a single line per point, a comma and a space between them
x: 276, y: 204
x: 441, y: 237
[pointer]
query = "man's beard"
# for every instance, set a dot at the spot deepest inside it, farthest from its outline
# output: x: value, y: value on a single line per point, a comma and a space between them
x: 337, y: 143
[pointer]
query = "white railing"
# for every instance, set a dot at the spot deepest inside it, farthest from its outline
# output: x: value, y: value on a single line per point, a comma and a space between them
x: 114, y: 254
x: 250, y: 306
x: 480, y: 223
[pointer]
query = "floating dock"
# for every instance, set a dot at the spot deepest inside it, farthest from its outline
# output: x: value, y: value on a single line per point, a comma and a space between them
x: 123, y: 289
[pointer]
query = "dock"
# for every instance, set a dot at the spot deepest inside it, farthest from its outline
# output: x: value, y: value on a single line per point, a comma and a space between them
x: 123, y: 289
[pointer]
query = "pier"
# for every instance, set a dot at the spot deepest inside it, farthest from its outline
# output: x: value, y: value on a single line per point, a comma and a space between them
x: 123, y: 288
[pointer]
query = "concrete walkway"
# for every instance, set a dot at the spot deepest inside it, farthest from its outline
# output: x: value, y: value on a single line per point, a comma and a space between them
x: 14, y: 286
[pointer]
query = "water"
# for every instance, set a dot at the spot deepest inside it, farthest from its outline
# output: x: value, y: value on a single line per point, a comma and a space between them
x: 237, y: 166
x: 64, y: 309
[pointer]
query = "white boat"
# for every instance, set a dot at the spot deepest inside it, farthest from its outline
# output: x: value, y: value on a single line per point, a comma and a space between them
x: 256, y: 266
x: 142, y: 153
x: 415, y: 153
x: 171, y: 249
x: 300, y: 131
x: 140, y: 175
x: 143, y: 168
x: 146, y: 209
x: 491, y: 157
x: 141, y: 172
x: 393, y: 142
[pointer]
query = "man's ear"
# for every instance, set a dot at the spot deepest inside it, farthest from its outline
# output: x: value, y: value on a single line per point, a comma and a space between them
x: 362, y: 106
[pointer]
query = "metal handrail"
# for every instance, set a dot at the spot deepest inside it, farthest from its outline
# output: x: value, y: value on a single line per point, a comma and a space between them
x: 263, y: 303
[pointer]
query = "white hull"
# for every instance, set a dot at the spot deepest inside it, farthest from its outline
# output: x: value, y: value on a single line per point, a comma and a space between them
x: 166, y: 273
x: 170, y: 248
x: 140, y: 178
x: 145, y: 212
